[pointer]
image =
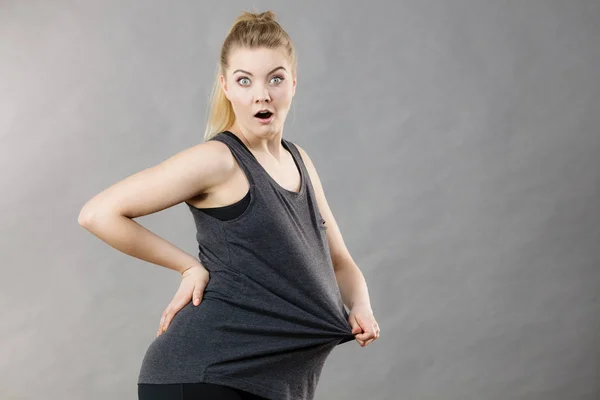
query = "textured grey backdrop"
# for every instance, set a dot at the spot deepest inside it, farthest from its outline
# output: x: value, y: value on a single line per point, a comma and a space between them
x: 457, y: 142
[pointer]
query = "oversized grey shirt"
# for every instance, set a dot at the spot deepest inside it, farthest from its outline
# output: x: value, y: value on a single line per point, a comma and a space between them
x: 271, y: 312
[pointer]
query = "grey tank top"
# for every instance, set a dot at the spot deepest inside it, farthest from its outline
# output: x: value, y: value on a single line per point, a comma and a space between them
x: 271, y: 312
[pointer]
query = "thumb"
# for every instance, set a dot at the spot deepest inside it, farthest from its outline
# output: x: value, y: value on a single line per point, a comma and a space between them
x: 355, y: 326
x: 197, y: 294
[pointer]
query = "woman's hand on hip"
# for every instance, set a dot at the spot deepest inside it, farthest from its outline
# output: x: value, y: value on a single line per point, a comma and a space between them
x: 193, y: 282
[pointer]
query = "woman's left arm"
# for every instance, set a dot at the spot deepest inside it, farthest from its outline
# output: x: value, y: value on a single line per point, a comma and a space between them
x: 351, y: 281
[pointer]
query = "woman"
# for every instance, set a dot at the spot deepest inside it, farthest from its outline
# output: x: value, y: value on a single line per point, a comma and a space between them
x: 262, y: 307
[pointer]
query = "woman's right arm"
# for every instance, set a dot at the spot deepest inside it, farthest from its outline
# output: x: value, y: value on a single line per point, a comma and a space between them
x: 109, y: 215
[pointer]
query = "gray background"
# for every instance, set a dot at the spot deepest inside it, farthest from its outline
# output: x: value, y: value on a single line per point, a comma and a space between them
x: 457, y: 142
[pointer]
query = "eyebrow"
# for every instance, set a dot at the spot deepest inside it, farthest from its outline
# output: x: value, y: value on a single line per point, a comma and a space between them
x: 249, y: 73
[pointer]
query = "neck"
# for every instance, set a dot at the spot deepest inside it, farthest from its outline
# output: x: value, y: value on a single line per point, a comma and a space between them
x: 259, y: 144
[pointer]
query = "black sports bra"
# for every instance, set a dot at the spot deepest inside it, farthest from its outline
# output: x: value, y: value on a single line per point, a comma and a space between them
x: 230, y: 211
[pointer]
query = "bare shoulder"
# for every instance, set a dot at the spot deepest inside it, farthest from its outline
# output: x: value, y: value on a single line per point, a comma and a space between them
x: 210, y: 162
x: 310, y: 166
x: 312, y: 170
x: 303, y: 153
x: 191, y: 172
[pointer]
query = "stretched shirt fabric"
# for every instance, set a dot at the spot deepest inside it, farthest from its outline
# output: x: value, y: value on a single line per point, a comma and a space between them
x: 271, y: 312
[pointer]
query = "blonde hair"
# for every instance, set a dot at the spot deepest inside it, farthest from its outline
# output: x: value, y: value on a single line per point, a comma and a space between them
x: 250, y: 30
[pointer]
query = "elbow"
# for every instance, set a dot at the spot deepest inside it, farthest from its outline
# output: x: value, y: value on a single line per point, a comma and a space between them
x: 91, y: 213
x: 85, y: 217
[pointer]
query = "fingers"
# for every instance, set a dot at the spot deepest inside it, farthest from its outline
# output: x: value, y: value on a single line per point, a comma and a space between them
x: 366, y: 338
x: 167, y: 316
x: 163, y: 318
x: 181, y: 299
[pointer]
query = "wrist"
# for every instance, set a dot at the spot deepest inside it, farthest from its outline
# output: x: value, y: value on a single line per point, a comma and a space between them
x: 361, y: 305
x: 189, y: 267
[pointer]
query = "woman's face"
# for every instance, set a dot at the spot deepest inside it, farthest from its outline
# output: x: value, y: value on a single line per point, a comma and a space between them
x: 259, y: 79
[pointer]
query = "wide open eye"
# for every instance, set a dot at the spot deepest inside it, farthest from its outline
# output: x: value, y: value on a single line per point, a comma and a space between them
x: 242, y: 78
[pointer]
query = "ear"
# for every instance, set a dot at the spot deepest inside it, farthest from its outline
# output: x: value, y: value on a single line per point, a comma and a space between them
x: 223, y: 83
x: 294, y: 85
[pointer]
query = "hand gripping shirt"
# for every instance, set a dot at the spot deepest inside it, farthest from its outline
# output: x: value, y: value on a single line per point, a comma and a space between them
x: 271, y: 312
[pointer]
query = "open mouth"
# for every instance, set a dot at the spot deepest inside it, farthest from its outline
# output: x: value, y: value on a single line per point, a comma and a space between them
x: 263, y: 115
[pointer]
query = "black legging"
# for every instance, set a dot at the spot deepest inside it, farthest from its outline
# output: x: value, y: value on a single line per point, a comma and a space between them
x: 192, y: 391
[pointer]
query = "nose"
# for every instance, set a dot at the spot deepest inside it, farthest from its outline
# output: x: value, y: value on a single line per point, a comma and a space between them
x: 262, y: 94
